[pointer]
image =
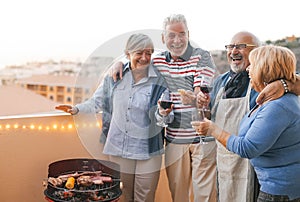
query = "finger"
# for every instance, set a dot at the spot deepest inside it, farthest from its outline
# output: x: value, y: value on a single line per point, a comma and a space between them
x: 168, y: 110
x: 60, y: 107
x: 121, y: 72
x: 114, y: 76
x: 260, y: 98
x: 189, y: 93
x: 63, y: 105
x: 195, y: 124
x: 64, y: 108
x: 202, y: 133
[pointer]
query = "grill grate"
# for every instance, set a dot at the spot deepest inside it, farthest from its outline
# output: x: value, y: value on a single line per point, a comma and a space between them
x: 107, y: 191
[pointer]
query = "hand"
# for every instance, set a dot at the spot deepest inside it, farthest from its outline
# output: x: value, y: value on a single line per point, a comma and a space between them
x: 67, y: 108
x: 272, y: 91
x: 295, y: 87
x: 162, y: 111
x: 203, y: 99
x: 116, y: 71
x: 201, y: 127
x: 187, y: 97
x: 207, y: 127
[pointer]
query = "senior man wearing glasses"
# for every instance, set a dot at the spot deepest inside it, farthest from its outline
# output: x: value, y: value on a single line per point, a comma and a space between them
x: 230, y: 99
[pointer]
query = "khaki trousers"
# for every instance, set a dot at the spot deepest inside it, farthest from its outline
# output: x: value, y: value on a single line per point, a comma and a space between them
x: 191, y: 168
x: 139, y: 178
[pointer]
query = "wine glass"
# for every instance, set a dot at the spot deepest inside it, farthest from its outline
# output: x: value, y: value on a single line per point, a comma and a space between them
x: 206, y: 85
x: 165, y: 103
x: 198, y: 116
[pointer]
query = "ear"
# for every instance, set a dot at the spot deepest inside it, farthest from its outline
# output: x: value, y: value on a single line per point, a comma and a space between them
x: 163, y: 38
x: 127, y: 55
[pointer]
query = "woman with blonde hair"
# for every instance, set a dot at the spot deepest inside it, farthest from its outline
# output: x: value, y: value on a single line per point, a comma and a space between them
x: 269, y: 135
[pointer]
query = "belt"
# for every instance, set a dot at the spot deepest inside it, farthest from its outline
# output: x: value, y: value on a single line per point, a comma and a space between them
x: 204, y: 139
x: 207, y: 139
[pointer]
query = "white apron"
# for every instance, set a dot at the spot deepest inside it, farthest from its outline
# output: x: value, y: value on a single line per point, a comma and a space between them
x: 235, y: 174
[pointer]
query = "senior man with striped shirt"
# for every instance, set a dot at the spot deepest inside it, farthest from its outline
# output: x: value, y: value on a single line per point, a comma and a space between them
x: 187, y: 161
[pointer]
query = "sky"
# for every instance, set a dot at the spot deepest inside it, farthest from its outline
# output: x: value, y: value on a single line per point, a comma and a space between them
x: 40, y: 30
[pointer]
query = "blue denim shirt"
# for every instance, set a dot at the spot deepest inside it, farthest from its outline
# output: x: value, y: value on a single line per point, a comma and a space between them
x: 129, y: 115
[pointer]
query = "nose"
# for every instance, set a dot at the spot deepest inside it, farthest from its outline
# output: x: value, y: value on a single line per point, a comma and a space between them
x: 235, y: 47
x: 248, y: 68
x: 234, y: 50
x: 144, y: 57
x: 177, y: 38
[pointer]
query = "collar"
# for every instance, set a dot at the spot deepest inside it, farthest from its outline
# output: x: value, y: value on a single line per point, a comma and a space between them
x: 231, y: 73
x: 186, y: 56
x: 126, y: 67
x: 151, y: 72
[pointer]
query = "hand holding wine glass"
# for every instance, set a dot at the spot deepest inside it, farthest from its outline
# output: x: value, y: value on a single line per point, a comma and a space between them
x: 165, y: 105
x: 197, y: 117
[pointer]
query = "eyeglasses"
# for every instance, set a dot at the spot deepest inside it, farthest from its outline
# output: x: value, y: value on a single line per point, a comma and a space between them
x: 238, y: 46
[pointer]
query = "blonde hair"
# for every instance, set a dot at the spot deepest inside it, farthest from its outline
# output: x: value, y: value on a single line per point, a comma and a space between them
x: 138, y: 42
x: 272, y: 63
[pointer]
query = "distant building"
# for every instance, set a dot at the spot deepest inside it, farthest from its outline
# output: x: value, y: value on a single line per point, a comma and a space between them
x: 291, y: 38
x: 7, y: 79
x: 64, y: 82
x: 64, y: 89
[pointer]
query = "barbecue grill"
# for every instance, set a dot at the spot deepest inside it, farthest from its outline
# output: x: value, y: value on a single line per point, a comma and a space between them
x: 109, y: 190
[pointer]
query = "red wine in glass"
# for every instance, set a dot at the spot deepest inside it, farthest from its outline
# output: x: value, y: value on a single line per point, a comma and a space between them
x: 166, y: 104
x: 205, y: 89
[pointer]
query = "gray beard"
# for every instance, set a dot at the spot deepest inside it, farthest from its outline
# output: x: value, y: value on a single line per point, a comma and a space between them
x: 237, y: 68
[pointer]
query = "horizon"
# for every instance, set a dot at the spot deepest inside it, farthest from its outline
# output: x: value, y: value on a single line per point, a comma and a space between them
x: 82, y: 60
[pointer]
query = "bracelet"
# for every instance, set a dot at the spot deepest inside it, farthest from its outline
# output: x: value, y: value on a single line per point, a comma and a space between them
x: 77, y: 110
x: 285, y: 86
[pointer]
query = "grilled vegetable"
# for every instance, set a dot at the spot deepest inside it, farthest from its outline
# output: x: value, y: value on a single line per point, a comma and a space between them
x: 70, y: 183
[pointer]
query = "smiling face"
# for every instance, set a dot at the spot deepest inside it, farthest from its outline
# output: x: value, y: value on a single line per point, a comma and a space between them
x: 238, y: 56
x: 176, y: 37
x: 138, y: 50
x: 140, y: 58
x: 254, y: 78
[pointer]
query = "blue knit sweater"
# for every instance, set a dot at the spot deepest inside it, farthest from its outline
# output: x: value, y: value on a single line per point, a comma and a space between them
x: 270, y: 138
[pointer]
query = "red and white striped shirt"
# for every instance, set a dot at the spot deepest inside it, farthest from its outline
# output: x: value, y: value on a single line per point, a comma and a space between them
x: 184, y: 73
